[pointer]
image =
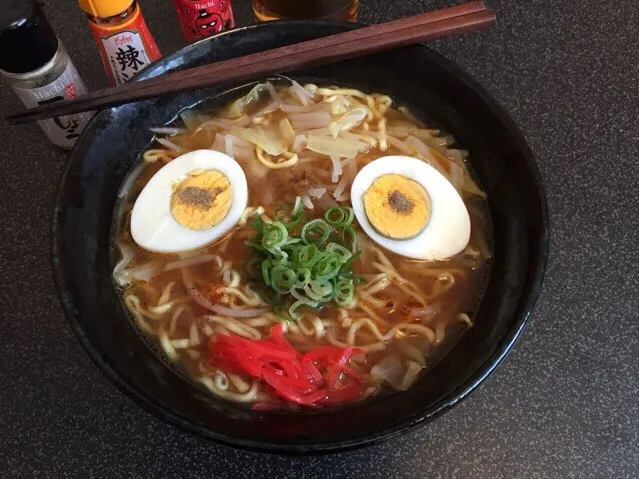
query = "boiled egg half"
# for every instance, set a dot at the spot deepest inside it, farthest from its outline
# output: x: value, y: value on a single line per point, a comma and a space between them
x: 189, y: 203
x: 409, y: 208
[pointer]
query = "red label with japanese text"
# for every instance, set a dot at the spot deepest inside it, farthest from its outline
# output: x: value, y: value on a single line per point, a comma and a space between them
x: 201, y: 18
x: 127, y: 48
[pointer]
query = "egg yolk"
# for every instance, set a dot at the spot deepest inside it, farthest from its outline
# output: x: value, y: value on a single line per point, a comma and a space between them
x: 397, y: 207
x: 202, y: 200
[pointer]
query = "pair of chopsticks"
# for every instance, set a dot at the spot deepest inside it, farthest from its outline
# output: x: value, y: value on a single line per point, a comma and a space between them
x: 428, y: 26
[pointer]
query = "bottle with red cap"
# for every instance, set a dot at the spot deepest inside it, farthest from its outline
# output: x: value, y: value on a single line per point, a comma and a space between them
x: 201, y: 18
x: 124, y: 40
x: 38, y: 68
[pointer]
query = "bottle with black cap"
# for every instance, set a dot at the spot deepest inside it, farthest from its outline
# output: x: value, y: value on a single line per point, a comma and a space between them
x: 38, y: 68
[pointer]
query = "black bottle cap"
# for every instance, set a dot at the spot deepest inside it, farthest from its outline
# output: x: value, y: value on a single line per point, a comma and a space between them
x: 27, y: 41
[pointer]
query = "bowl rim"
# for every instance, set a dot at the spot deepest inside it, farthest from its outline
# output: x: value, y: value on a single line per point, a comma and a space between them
x: 445, y: 404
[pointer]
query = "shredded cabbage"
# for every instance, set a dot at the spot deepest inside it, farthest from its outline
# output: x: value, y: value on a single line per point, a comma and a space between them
x: 286, y: 108
x: 303, y: 94
x: 456, y: 176
x: 236, y: 109
x: 401, y: 132
x: 364, y: 143
x: 120, y: 274
x: 337, y: 169
x: 307, y: 121
x: 340, y: 105
x: 347, y: 122
x: 333, y: 146
x: 469, y: 186
x: 388, y: 370
x: 456, y: 156
x: 192, y: 120
x: 431, y: 139
x: 299, y: 143
x: 287, y: 131
x: 265, y: 138
x: 271, y: 107
x: 441, y: 163
x: 218, y: 143
x: 316, y: 192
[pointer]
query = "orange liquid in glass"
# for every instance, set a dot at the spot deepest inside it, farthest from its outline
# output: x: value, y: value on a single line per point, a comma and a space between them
x: 266, y: 10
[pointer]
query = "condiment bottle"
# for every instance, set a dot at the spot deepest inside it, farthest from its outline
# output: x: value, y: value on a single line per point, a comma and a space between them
x: 124, y: 40
x: 36, y: 65
x: 201, y: 18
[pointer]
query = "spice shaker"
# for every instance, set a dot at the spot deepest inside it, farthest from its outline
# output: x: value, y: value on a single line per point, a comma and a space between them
x: 123, y: 37
x: 38, y: 68
x: 201, y: 18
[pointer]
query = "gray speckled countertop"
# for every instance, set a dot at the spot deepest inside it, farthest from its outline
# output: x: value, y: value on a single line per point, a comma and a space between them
x: 566, y: 401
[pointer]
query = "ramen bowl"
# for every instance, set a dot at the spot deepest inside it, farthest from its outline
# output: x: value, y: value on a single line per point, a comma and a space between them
x: 110, y: 148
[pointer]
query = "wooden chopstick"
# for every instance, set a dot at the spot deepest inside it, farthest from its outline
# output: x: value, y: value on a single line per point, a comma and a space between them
x: 376, y: 38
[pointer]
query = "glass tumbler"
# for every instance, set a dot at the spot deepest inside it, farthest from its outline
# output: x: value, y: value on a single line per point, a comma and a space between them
x: 266, y: 10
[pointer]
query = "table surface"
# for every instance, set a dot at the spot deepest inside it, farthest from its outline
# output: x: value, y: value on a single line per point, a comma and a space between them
x: 564, y: 404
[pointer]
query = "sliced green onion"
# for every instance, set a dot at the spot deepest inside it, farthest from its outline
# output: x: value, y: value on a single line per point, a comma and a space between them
x: 282, y: 278
x: 339, y: 250
x: 345, y: 292
x: 290, y: 246
x: 326, y: 267
x: 292, y: 241
x: 274, y: 235
x: 348, y: 237
x: 303, y: 277
x: 281, y: 255
x: 299, y: 265
x: 266, y: 266
x: 257, y: 222
x: 280, y: 212
x: 334, y: 284
x: 292, y: 220
x: 306, y: 301
x: 315, y: 232
x: 339, y: 216
x: 319, y: 290
x: 305, y: 256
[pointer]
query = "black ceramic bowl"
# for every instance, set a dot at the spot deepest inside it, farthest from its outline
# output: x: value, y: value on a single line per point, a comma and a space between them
x: 415, y: 76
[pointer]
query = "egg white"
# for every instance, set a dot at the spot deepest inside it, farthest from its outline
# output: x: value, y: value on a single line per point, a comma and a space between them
x: 448, y: 229
x: 152, y: 224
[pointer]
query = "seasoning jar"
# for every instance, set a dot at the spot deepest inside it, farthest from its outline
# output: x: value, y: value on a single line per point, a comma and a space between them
x: 201, y: 18
x: 39, y: 70
x: 123, y: 38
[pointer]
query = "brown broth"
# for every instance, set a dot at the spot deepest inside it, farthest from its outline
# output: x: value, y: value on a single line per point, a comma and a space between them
x: 282, y: 186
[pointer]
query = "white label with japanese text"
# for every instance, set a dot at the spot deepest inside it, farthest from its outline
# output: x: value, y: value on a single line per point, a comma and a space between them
x: 126, y: 54
x: 63, y: 130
